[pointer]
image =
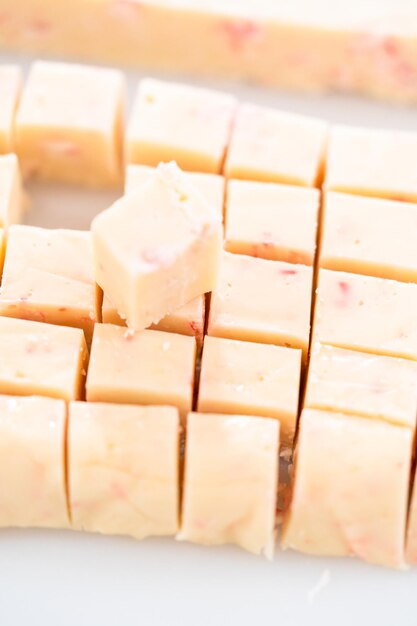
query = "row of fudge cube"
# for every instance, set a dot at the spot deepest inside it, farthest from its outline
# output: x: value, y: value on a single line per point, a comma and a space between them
x: 69, y: 126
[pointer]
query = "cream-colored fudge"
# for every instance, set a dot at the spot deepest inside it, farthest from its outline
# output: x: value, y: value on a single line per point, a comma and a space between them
x: 69, y: 124
x: 32, y: 462
x: 411, y: 536
x: 212, y: 186
x: 157, y: 248
x: 350, y: 492
x: 2, y: 248
x: 10, y: 85
x: 41, y: 359
x: 148, y: 367
x: 262, y: 301
x: 366, y: 314
x: 370, y: 385
x: 187, y: 320
x: 369, y: 236
x: 48, y: 277
x: 276, y: 146
x: 276, y: 222
x: 175, y: 122
x: 244, y: 378
x: 123, y: 469
x: 12, y: 199
x: 372, y: 162
x: 230, y: 481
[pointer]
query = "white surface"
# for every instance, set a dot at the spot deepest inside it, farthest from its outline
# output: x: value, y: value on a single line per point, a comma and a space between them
x: 69, y: 579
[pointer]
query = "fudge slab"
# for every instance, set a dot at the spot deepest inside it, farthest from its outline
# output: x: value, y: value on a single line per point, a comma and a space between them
x: 123, y: 469
x: 48, y: 277
x: 230, y: 481
x: 32, y: 462
x: 244, y: 378
x: 12, y: 198
x: 182, y: 123
x: 272, y: 221
x: 69, y: 124
x: 367, y: 314
x: 10, y: 86
x: 42, y: 359
x: 146, y: 243
x: 147, y: 367
x: 350, y: 493
x: 369, y: 236
x: 370, y: 385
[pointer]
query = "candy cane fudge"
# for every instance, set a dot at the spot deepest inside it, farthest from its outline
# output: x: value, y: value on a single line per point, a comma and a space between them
x: 32, y: 462
x: 369, y: 236
x: 212, y: 186
x: 182, y: 123
x: 350, y: 492
x: 411, y: 536
x: 10, y: 86
x: 157, y: 248
x: 12, y: 199
x: 262, y: 301
x: 244, y: 378
x: 370, y: 385
x: 69, y: 124
x: 271, y: 221
x: 275, y: 146
x: 48, y: 277
x: 148, y: 367
x: 230, y: 481
x: 367, y: 314
x: 370, y: 162
x: 42, y: 359
x: 123, y: 474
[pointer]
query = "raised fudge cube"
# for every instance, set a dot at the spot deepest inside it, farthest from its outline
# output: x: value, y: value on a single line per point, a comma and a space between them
x: 10, y: 86
x: 12, y: 199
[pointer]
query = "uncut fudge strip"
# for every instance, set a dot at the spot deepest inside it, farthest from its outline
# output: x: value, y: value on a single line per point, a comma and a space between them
x: 157, y: 248
x: 42, y: 359
x: 369, y: 162
x: 275, y: 146
x: 123, y: 469
x: 369, y: 236
x: 12, y: 198
x: 367, y: 314
x: 147, y: 367
x: 10, y: 86
x: 32, y: 462
x: 369, y: 385
x: 230, y: 481
x: 244, y: 378
x: 186, y: 124
x: 212, y: 186
x: 48, y: 277
x: 275, y: 222
x: 69, y: 124
x: 350, y: 492
x: 262, y: 301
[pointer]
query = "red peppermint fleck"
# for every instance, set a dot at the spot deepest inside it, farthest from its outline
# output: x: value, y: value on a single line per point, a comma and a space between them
x: 344, y: 287
x: 288, y: 272
x: 240, y: 32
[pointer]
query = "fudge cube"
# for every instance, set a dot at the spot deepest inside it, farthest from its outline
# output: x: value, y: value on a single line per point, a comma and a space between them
x: 123, y: 469
x: 367, y: 314
x: 411, y: 535
x: 244, y: 378
x: 276, y: 222
x: 350, y: 492
x: 262, y: 301
x: 69, y: 124
x: 157, y: 248
x: 148, y: 367
x: 211, y: 186
x: 42, y: 359
x: 48, y: 277
x: 11, y: 193
x: 374, y: 386
x: 230, y: 481
x: 186, y: 124
x: 10, y: 85
x: 369, y: 236
x: 32, y: 462
x: 276, y: 146
x: 371, y: 162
